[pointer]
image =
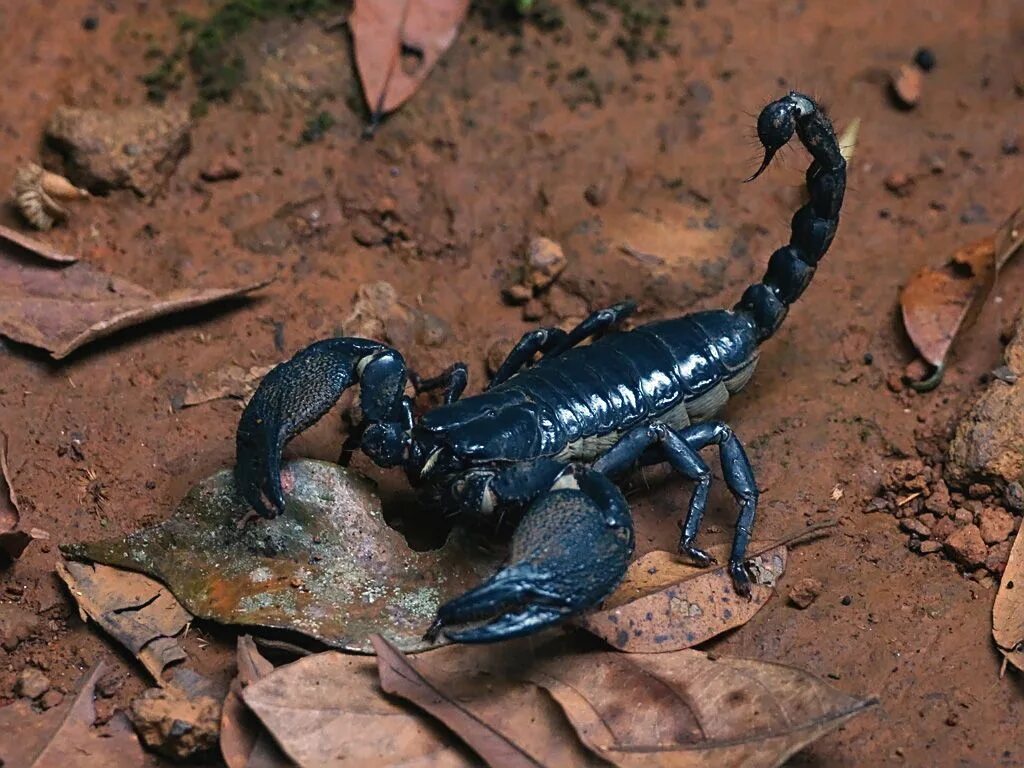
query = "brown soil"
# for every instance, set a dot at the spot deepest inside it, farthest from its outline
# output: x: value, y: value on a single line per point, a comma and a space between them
x: 556, y: 134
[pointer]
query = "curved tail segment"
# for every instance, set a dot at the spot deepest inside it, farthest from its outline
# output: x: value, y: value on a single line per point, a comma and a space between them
x: 792, y: 266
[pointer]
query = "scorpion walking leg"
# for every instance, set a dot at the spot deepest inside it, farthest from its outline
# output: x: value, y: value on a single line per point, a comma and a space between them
x: 570, y: 550
x: 550, y: 342
x: 453, y: 379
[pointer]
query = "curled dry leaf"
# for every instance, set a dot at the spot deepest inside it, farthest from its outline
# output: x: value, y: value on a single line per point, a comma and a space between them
x: 137, y: 611
x: 939, y: 304
x: 60, y: 310
x: 36, y: 192
x: 665, y: 604
x: 1008, y: 609
x: 326, y: 711
x: 244, y: 743
x: 397, y: 43
x: 235, y: 381
x: 13, y: 540
x: 64, y: 736
x: 13, y: 238
x: 329, y: 567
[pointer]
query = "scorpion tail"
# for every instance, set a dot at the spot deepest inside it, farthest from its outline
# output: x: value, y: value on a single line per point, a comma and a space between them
x: 792, y: 266
x: 295, y: 394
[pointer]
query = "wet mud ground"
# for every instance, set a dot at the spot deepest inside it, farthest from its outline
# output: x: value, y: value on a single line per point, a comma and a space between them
x: 522, y: 132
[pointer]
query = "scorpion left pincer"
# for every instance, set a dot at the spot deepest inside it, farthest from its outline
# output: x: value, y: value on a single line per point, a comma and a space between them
x: 536, y: 451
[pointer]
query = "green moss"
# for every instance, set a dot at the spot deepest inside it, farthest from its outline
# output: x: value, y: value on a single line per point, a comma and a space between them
x: 644, y: 24
x: 316, y: 127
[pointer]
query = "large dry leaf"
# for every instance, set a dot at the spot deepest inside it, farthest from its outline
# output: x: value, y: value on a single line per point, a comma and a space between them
x: 13, y: 539
x: 329, y: 567
x: 326, y: 711
x: 36, y: 246
x: 1008, y: 609
x: 244, y: 743
x: 137, y: 611
x: 683, y: 709
x: 398, y: 42
x: 665, y: 604
x: 64, y: 736
x: 939, y: 304
x: 234, y: 381
x: 60, y: 310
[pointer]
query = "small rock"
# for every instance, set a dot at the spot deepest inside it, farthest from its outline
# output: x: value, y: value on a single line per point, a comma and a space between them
x: 517, y: 294
x: 928, y: 547
x: 979, y: 490
x: 995, y: 525
x: 925, y: 59
x: 967, y: 547
x: 51, y: 699
x: 877, y: 504
x: 938, y: 500
x: 963, y: 516
x: 927, y: 519
x: 915, y: 526
x: 17, y: 624
x: 31, y: 683
x: 497, y: 351
x: 805, y: 592
x: 533, y: 310
x: 905, y: 86
x: 998, y: 556
x: 221, y: 169
x: 109, y: 684
x: 944, y: 528
x: 1013, y: 496
x: 176, y: 727
x: 545, y: 261
x: 900, y: 184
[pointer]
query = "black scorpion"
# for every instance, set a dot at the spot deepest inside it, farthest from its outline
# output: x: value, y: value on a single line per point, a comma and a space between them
x: 539, y: 445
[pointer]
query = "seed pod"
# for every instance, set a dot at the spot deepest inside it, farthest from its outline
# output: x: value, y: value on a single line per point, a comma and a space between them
x: 36, y: 192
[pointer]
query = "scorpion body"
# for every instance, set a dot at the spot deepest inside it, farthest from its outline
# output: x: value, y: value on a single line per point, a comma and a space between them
x: 539, y: 446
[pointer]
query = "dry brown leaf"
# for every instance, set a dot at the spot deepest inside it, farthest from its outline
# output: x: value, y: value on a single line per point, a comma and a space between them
x: 398, y: 42
x: 326, y: 711
x: 135, y: 610
x: 244, y: 743
x: 939, y: 304
x: 683, y: 709
x: 665, y: 604
x: 13, y: 539
x: 1008, y: 609
x: 60, y: 310
x: 399, y: 677
x: 35, y: 246
x: 234, y: 381
x: 64, y: 736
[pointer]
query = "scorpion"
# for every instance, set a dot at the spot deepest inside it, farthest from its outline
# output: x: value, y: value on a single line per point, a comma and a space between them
x: 539, y: 447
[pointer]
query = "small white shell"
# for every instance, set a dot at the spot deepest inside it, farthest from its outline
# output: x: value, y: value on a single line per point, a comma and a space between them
x: 36, y: 191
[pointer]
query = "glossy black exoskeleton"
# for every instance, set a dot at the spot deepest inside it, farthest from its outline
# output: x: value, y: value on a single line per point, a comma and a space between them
x: 539, y: 445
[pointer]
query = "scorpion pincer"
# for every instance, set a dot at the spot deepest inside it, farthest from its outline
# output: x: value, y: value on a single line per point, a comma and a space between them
x: 538, y: 448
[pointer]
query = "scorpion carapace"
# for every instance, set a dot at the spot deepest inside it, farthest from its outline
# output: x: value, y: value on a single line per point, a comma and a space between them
x: 538, y: 447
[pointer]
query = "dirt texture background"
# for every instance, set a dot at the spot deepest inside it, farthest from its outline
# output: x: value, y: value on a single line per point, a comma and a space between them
x: 523, y: 132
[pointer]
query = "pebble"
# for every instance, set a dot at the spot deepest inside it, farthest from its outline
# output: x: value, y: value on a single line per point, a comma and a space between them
x: 967, y: 547
x: 497, y: 351
x: 925, y: 59
x: 906, y: 86
x: 545, y: 261
x: 805, y: 592
x: 900, y: 184
x: 51, y: 699
x: 916, y: 527
x: 998, y: 555
x: 517, y: 294
x: 31, y: 683
x: 928, y: 547
x: 995, y: 525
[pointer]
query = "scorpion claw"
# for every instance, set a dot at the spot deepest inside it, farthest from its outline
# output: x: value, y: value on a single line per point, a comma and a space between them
x: 570, y: 550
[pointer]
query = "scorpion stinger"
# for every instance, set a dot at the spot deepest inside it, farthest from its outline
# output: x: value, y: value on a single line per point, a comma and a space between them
x: 538, y: 448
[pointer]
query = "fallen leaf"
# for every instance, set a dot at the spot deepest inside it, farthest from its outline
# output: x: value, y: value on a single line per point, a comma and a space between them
x: 326, y: 711
x: 665, y: 604
x: 329, y: 567
x: 939, y: 304
x: 36, y: 246
x: 399, y: 677
x: 13, y: 540
x: 848, y: 139
x: 244, y: 743
x: 397, y: 43
x: 138, y: 612
x: 1008, y: 609
x: 60, y: 310
x: 64, y: 736
x: 234, y: 381
x: 683, y: 709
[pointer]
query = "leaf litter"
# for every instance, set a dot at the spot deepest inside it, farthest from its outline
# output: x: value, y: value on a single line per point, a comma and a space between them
x: 244, y: 743
x: 13, y: 539
x: 1008, y: 608
x: 329, y: 567
x: 940, y: 303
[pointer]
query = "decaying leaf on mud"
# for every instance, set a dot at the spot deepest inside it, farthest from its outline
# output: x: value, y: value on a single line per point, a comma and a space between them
x: 12, y: 238
x: 666, y: 604
x: 1008, y: 609
x: 13, y: 539
x: 135, y: 610
x: 940, y: 303
x: 397, y: 43
x: 60, y: 310
x: 235, y: 381
x: 329, y: 567
x: 64, y: 736
x: 327, y: 711
x: 244, y: 743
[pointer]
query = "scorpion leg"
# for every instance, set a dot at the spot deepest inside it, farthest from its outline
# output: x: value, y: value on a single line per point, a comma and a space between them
x: 595, y: 325
x: 570, y: 550
x: 537, y: 340
x: 453, y: 379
